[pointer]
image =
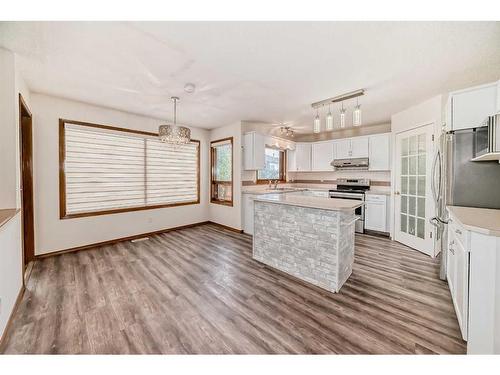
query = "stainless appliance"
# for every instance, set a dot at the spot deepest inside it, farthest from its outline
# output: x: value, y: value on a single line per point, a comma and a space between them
x: 459, y: 181
x: 487, y: 139
x: 350, y: 164
x: 351, y: 188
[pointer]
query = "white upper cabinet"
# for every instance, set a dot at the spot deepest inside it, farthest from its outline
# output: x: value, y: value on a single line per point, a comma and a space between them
x: 343, y: 149
x: 379, y: 152
x: 322, y: 156
x: 359, y: 147
x: 291, y: 161
x: 470, y: 107
x: 351, y: 148
x: 303, y: 157
x: 253, y: 151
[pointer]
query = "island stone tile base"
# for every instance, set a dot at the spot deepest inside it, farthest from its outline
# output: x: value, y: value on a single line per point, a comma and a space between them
x: 311, y: 244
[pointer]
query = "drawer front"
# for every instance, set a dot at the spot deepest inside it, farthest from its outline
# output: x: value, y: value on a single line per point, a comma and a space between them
x: 375, y: 198
x: 459, y: 233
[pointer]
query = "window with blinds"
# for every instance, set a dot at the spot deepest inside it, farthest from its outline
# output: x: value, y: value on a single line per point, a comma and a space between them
x: 107, y: 170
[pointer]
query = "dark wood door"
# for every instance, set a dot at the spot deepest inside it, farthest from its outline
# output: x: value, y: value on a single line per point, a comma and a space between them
x: 26, y: 138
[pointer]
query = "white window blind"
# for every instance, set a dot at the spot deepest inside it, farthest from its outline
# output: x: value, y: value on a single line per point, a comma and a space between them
x: 106, y: 170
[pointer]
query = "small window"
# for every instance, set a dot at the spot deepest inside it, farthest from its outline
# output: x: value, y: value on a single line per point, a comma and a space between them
x: 274, y: 166
x: 221, y: 163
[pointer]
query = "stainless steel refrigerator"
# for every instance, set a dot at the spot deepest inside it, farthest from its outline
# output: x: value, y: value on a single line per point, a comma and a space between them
x: 458, y: 181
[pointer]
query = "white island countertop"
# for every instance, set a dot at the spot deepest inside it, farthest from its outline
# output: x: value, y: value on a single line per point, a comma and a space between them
x: 480, y: 220
x: 301, y: 200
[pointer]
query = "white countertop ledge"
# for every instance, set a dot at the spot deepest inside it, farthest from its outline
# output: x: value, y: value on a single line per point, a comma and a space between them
x: 292, y: 199
x: 481, y: 220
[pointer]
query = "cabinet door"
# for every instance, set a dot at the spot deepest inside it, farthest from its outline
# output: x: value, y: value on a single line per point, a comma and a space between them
x: 470, y: 108
x: 343, y: 149
x: 322, y: 156
x: 451, y: 267
x: 248, y: 213
x: 303, y: 156
x: 461, y: 290
x: 379, y: 152
x: 375, y: 216
x: 291, y: 161
x: 253, y: 151
x: 359, y: 147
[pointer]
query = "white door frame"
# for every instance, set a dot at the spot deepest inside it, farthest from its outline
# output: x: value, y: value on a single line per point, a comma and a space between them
x: 424, y: 245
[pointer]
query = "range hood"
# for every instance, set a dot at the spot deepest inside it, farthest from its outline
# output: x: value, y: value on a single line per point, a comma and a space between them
x: 350, y: 164
x: 487, y: 147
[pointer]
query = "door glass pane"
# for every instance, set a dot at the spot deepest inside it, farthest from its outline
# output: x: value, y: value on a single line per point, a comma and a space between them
x: 404, y: 204
x: 421, y: 228
x: 413, y: 185
x: 421, y: 164
x: 413, y: 165
x: 404, y: 185
x: 412, y: 205
x: 404, y: 166
x: 421, y: 207
x: 403, y: 223
x: 411, y: 225
x: 421, y: 186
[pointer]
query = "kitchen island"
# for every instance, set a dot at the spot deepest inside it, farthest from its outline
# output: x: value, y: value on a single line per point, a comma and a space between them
x: 309, y: 237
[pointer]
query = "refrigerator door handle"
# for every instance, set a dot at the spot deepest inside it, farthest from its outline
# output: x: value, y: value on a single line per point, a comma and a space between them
x: 436, y: 167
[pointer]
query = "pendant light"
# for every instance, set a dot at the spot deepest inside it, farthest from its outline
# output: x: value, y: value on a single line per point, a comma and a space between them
x: 317, y: 123
x: 174, y: 134
x: 329, y: 119
x: 342, y: 116
x: 356, y: 114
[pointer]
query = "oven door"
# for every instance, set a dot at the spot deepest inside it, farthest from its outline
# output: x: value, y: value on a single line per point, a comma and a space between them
x: 359, y: 212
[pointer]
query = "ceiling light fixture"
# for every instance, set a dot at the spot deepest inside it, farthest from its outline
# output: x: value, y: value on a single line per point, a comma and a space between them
x: 329, y: 119
x: 286, y: 130
x: 342, y: 116
x: 174, y: 134
x: 356, y: 114
x: 317, y: 123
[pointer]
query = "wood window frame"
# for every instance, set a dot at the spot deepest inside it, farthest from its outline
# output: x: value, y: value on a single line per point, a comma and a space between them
x: 62, y: 175
x: 212, y: 181
x: 282, y: 168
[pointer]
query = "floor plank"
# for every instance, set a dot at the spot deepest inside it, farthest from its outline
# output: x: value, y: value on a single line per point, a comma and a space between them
x: 198, y: 290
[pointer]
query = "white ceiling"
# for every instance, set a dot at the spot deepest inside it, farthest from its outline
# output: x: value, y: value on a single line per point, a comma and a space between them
x: 255, y: 71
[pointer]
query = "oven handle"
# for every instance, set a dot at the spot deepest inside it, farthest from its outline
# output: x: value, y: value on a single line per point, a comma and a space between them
x: 352, y: 221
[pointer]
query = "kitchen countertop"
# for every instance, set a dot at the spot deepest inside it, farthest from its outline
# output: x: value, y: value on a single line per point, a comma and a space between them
x: 264, y: 189
x: 297, y: 199
x: 7, y: 214
x: 480, y: 220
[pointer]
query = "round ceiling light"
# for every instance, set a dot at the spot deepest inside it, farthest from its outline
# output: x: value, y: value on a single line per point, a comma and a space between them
x: 189, y: 88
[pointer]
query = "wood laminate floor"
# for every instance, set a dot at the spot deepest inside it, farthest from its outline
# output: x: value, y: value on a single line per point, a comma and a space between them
x: 198, y: 290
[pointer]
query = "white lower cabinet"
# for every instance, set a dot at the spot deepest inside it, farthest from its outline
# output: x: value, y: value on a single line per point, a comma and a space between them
x: 247, y: 213
x: 458, y: 274
x: 376, y: 215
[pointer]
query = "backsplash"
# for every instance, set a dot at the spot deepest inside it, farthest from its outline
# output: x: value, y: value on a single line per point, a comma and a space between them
x: 382, y: 178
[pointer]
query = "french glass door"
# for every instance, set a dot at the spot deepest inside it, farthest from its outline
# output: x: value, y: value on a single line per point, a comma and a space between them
x: 413, y: 199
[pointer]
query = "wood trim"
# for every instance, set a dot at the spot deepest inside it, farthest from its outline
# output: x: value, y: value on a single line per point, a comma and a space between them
x: 212, y: 181
x: 129, y: 238
x: 62, y: 178
x: 227, y: 227
x: 26, y: 182
x: 6, y: 331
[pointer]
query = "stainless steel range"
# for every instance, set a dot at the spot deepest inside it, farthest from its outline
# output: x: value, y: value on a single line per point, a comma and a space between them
x: 352, y: 188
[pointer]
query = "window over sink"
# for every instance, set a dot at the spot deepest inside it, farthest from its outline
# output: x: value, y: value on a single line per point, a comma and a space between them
x: 274, y: 168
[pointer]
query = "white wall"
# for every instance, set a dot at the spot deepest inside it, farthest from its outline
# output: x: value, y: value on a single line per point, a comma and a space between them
x: 227, y: 215
x: 53, y: 234
x: 10, y: 233
x: 428, y: 112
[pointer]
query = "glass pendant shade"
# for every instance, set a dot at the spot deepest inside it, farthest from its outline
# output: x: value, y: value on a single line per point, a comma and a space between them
x: 317, y: 124
x: 329, y: 121
x: 356, y: 116
x: 342, y: 117
x: 174, y: 134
